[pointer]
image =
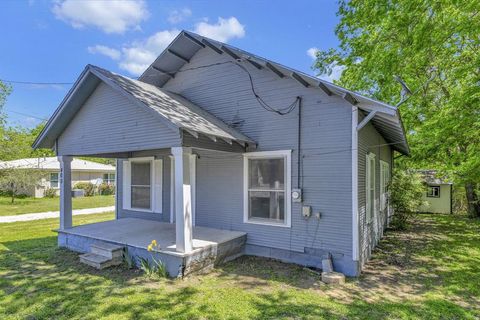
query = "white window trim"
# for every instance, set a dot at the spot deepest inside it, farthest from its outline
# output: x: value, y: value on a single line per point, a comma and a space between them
x: 109, y: 180
x: 432, y: 196
x: 153, y: 195
x: 369, y: 157
x: 384, y: 175
x: 287, y: 154
x: 50, y: 180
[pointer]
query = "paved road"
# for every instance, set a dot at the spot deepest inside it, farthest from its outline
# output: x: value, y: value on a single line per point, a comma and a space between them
x: 51, y: 214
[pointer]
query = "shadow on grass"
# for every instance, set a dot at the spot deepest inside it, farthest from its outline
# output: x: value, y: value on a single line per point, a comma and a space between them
x: 431, y: 271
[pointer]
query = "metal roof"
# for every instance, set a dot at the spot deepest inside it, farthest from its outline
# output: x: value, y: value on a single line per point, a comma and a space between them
x: 387, y: 119
x: 52, y: 163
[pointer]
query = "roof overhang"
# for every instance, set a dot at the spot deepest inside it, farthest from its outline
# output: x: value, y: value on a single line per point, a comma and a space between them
x: 202, y: 123
x: 387, y: 119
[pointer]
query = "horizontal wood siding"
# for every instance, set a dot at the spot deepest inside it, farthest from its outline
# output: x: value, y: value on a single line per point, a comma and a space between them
x: 369, y: 140
x: 108, y: 122
x: 224, y: 91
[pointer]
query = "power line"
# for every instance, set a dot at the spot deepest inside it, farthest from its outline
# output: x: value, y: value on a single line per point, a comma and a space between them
x: 36, y: 83
x: 26, y: 115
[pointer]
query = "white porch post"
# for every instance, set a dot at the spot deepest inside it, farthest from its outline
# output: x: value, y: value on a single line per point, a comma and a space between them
x: 65, y: 192
x: 183, y: 199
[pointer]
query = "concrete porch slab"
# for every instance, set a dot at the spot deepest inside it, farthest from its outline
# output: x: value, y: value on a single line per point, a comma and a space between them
x: 210, y: 246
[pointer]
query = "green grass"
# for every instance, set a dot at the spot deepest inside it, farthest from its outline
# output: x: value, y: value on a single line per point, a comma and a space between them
x: 430, y: 272
x: 32, y: 205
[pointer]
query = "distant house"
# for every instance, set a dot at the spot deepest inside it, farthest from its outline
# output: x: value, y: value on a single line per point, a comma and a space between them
x: 82, y: 171
x: 438, y: 193
x: 221, y: 152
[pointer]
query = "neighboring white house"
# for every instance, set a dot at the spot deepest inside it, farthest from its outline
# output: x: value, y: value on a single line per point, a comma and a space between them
x: 82, y: 171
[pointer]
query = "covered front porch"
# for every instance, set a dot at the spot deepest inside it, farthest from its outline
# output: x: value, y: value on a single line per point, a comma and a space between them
x: 209, y: 246
x: 153, y: 134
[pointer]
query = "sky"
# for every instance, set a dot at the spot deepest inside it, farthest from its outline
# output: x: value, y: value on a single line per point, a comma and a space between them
x: 48, y: 43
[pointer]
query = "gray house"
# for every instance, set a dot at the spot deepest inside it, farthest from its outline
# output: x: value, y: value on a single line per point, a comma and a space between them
x: 221, y: 152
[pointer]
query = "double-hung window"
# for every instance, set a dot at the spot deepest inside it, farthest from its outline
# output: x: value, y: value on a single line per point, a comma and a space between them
x: 54, y: 181
x: 109, y: 178
x: 142, y: 184
x: 384, y: 181
x: 370, y: 186
x: 267, y: 188
x: 433, y: 191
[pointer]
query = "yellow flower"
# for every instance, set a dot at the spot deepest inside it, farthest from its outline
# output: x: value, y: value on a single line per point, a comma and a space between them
x: 149, y: 248
x: 154, y: 242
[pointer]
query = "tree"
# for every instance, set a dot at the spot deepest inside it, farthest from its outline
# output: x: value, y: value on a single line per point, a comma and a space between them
x: 17, y: 143
x: 405, y: 190
x: 15, y: 182
x: 434, y: 47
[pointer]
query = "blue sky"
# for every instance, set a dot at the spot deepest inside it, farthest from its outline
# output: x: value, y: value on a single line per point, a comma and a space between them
x: 52, y: 41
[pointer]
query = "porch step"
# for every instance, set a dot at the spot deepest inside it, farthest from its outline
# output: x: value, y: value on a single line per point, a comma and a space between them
x: 98, y: 261
x: 108, y: 250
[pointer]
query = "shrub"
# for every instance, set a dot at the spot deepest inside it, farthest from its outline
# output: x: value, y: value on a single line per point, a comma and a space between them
x: 87, y: 187
x: 106, y: 189
x: 155, y: 269
x: 406, y: 191
x: 50, y: 193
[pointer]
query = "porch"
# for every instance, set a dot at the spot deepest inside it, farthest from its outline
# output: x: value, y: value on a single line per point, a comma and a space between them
x: 209, y: 246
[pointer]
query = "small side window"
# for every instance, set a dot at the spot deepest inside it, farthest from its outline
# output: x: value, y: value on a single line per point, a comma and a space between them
x: 54, y: 182
x: 433, y: 191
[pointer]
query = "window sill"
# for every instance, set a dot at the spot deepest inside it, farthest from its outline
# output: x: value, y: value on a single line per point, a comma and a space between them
x: 140, y: 210
x: 267, y: 223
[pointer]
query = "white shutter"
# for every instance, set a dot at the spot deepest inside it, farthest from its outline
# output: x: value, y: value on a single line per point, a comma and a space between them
x: 158, y: 186
x: 126, y: 185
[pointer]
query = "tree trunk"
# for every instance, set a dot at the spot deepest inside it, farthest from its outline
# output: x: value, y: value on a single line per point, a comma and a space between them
x: 13, y: 197
x: 472, y: 200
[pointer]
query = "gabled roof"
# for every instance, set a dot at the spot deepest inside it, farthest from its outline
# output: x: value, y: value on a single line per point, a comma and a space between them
x: 432, y: 177
x: 52, y: 163
x: 175, y: 111
x: 387, y: 118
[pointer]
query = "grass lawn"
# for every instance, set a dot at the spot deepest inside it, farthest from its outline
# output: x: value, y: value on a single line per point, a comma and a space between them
x: 31, y: 205
x: 430, y: 272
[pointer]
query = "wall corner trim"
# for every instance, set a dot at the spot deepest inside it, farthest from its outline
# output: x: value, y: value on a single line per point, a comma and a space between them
x: 355, y: 217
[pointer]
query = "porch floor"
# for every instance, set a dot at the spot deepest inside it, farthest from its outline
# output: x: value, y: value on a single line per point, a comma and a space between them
x: 139, y: 233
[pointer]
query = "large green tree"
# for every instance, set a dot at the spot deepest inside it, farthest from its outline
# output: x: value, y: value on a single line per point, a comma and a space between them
x: 434, y: 46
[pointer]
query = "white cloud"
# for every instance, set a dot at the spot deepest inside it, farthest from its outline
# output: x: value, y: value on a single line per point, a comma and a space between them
x: 113, y: 16
x: 336, y: 73
x: 223, y: 30
x: 140, y: 54
x: 336, y: 69
x: 312, y: 52
x: 177, y: 16
x: 113, y: 54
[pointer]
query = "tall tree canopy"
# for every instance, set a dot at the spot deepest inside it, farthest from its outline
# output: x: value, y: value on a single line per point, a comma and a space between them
x: 15, y: 142
x: 434, y: 46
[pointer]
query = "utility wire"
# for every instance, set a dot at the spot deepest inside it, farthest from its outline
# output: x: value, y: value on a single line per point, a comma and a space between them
x: 36, y: 83
x: 26, y: 114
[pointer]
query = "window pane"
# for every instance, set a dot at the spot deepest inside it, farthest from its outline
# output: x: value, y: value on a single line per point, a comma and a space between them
x: 141, y: 173
x: 141, y: 197
x: 266, y: 173
x: 267, y: 205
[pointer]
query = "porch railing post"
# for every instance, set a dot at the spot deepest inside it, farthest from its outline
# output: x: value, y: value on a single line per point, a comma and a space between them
x: 65, y: 192
x: 183, y: 199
